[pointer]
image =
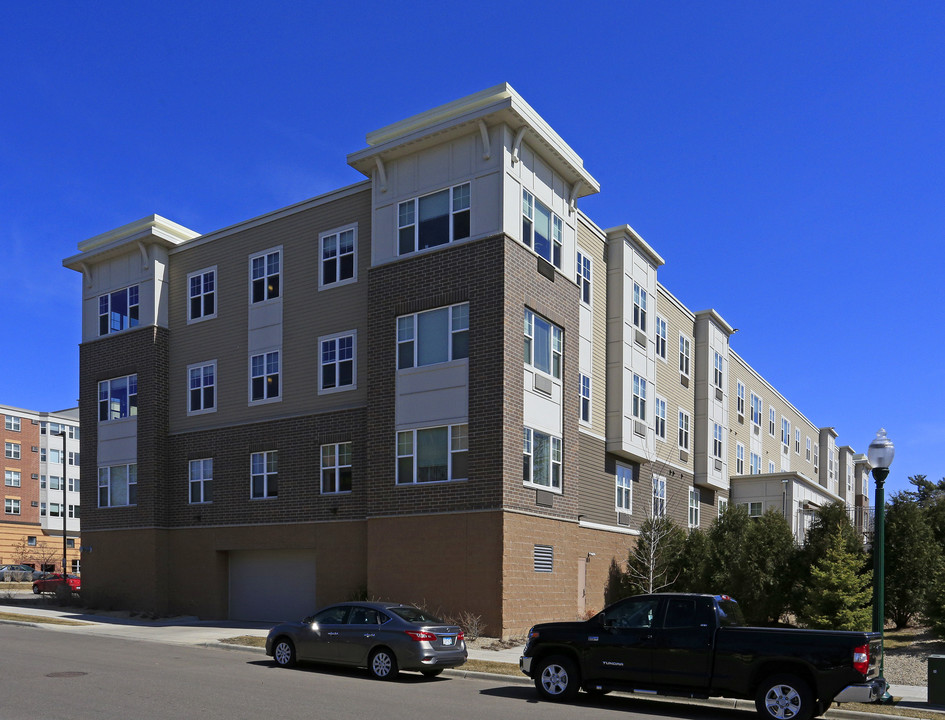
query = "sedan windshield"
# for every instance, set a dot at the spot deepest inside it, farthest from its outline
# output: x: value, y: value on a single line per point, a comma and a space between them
x: 415, y: 615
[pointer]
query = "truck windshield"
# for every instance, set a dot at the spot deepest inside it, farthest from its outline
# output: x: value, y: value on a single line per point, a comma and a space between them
x: 730, y: 615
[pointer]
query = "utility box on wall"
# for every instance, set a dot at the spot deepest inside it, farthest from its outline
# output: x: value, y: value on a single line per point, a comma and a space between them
x: 936, y: 679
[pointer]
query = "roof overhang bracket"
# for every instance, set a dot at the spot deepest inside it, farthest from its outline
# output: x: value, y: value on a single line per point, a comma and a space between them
x: 517, y: 143
x: 144, y: 254
x: 86, y: 273
x: 381, y: 173
x: 486, y: 148
x: 573, y: 194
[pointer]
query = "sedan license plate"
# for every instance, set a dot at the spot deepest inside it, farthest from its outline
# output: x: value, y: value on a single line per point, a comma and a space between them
x: 448, y: 640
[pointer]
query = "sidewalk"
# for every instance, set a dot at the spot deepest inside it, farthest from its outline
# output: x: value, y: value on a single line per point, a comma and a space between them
x: 192, y: 631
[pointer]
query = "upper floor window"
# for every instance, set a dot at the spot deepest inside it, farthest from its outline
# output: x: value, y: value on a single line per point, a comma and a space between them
x: 797, y: 441
x: 337, y: 367
x: 264, y: 376
x: 55, y: 456
x: 585, y: 398
x: 74, y: 458
x: 719, y: 377
x: 431, y: 220
x: 544, y: 343
x: 771, y: 419
x: 755, y: 464
x: 336, y: 468
x: 541, y: 229
x: 118, y: 310
x: 202, y: 379
x: 739, y: 459
x: 433, y: 336
x: 785, y: 432
x: 12, y: 423
x: 339, y: 256
x: 639, y: 398
x: 756, y: 410
x: 659, y: 496
x: 723, y: 506
x: 639, y: 307
x: 201, y: 481
x: 807, y: 450
x: 118, y: 485
x: 265, y: 271
x: 683, y: 430
x: 660, y: 338
x: 771, y: 466
x: 202, y: 295
x: 264, y: 475
x: 624, y: 489
x: 717, y: 441
x: 12, y: 478
x: 434, y: 454
x: 542, y: 459
x: 584, y: 277
x: 694, y: 502
x: 660, y: 414
x: 684, y: 349
x: 816, y: 456
x: 11, y: 506
x: 73, y: 432
x: 118, y: 398
x: 73, y: 484
x: 740, y: 398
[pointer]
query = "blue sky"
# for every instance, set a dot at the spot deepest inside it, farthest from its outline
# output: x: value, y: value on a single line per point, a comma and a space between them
x: 786, y: 159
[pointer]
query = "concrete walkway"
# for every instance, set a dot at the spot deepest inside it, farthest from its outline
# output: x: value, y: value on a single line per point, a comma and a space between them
x: 192, y: 631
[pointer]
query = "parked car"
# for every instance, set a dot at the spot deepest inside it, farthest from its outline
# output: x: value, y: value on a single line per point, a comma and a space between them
x: 695, y: 646
x: 19, y: 573
x: 383, y: 637
x: 52, y: 583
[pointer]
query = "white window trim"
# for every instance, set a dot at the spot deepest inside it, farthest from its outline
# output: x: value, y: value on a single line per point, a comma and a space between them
x: 772, y: 422
x: 688, y: 430
x: 688, y: 372
x: 353, y: 334
x: 661, y: 338
x: 249, y: 373
x: 337, y: 467
x: 265, y: 475
x: 658, y: 494
x: 590, y: 401
x: 739, y: 459
x: 201, y: 482
x: 583, y: 279
x: 617, y: 485
x: 216, y: 385
x: 328, y: 233
x: 761, y: 409
x: 695, y: 510
x: 551, y: 444
x: 414, y: 454
x: 414, y: 338
x: 249, y: 280
x: 415, y: 201
x: 216, y: 298
x: 657, y: 418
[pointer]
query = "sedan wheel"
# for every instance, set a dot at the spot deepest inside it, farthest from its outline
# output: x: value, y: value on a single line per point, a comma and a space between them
x: 383, y: 665
x: 284, y: 653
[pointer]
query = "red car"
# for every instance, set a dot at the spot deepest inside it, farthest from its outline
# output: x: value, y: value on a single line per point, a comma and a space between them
x: 51, y: 583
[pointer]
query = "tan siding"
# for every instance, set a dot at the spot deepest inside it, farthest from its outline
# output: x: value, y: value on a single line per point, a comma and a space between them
x: 595, y: 247
x: 668, y: 385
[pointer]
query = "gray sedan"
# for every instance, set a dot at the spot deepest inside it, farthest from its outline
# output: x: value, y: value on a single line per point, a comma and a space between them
x: 383, y: 637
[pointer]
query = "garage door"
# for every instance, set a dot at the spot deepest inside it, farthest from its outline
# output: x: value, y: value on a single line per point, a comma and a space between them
x: 271, y: 585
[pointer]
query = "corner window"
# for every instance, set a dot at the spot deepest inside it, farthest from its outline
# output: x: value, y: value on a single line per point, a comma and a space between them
x: 118, y: 486
x: 584, y: 277
x: 541, y: 229
x: 202, y: 381
x: 118, y: 310
x: 337, y: 365
x: 264, y: 475
x: 543, y: 344
x: 12, y: 450
x: 336, y: 468
x: 339, y: 257
x: 118, y: 398
x: 433, y: 220
x: 585, y: 398
x: 201, y: 481
x: 542, y: 459
x: 264, y: 377
x: 660, y: 338
x: 435, y: 454
x: 624, y: 500
x: 659, y: 496
x: 433, y: 336
x: 202, y: 295
x: 265, y: 272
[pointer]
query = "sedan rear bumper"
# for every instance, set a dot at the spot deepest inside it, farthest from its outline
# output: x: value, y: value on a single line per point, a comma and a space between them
x: 864, y: 693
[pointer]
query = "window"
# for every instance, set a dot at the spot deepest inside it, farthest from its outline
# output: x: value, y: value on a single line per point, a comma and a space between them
x: 336, y: 468
x: 683, y: 430
x: 12, y: 423
x: 694, y: 500
x: 807, y: 450
x: 755, y: 410
x: 336, y: 369
x: 624, y: 489
x: 739, y: 459
x: 118, y: 310
x: 264, y: 474
x: 638, y: 409
x: 544, y: 558
x: 816, y: 456
x: 11, y: 478
x: 771, y: 468
x: 42, y: 509
x: 584, y: 277
x: 12, y: 450
x: 118, y: 398
x: 433, y: 220
x: 659, y: 496
x: 73, y: 432
x: 339, y: 264
x: 435, y: 454
x: 31, y: 540
x: 542, y: 459
x: 201, y: 481
x: 55, y: 482
x: 433, y: 336
x: 202, y: 388
x: 541, y: 229
x: 75, y: 567
x: 74, y: 511
x: 723, y: 506
x: 74, y: 458
x: 118, y: 486
x: 660, y: 416
x: 585, y: 398
x: 771, y: 416
x: 797, y: 441
x: 740, y: 398
x: 543, y: 344
x: 11, y: 506
x: 264, y: 377
x: 717, y: 441
x: 755, y: 464
x: 719, y: 377
x: 660, y: 338
x: 684, y: 348
x: 42, y: 455
x: 830, y: 463
x: 785, y: 432
x: 265, y: 270
x: 73, y: 484
x: 639, y: 307
x: 201, y: 288
x: 70, y: 542
x: 753, y: 508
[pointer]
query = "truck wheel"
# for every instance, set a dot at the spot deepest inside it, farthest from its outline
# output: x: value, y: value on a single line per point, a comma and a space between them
x: 557, y: 679
x: 785, y: 697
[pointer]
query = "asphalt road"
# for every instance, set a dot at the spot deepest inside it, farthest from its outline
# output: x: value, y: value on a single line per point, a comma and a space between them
x: 50, y: 674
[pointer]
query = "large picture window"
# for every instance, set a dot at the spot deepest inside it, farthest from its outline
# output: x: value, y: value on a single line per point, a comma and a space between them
x: 118, y: 398
x: 118, y: 310
x: 433, y: 336
x: 542, y: 459
x: 336, y: 468
x: 118, y: 485
x: 541, y: 229
x: 544, y: 343
x: 435, y: 454
x: 435, y: 219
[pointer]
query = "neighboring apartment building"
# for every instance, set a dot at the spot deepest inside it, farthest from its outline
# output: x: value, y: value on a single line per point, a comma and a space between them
x: 442, y: 384
x: 40, y: 488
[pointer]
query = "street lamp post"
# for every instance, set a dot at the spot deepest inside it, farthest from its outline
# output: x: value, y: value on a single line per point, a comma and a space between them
x: 65, y: 505
x: 880, y: 455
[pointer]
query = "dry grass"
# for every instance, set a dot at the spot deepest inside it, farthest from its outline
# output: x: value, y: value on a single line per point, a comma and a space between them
x: 16, y: 617
x: 247, y: 640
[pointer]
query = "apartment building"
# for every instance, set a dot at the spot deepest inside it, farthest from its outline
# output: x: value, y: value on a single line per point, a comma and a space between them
x: 443, y: 384
x: 41, y: 490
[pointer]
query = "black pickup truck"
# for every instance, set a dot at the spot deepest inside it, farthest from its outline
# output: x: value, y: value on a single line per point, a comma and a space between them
x: 696, y: 646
